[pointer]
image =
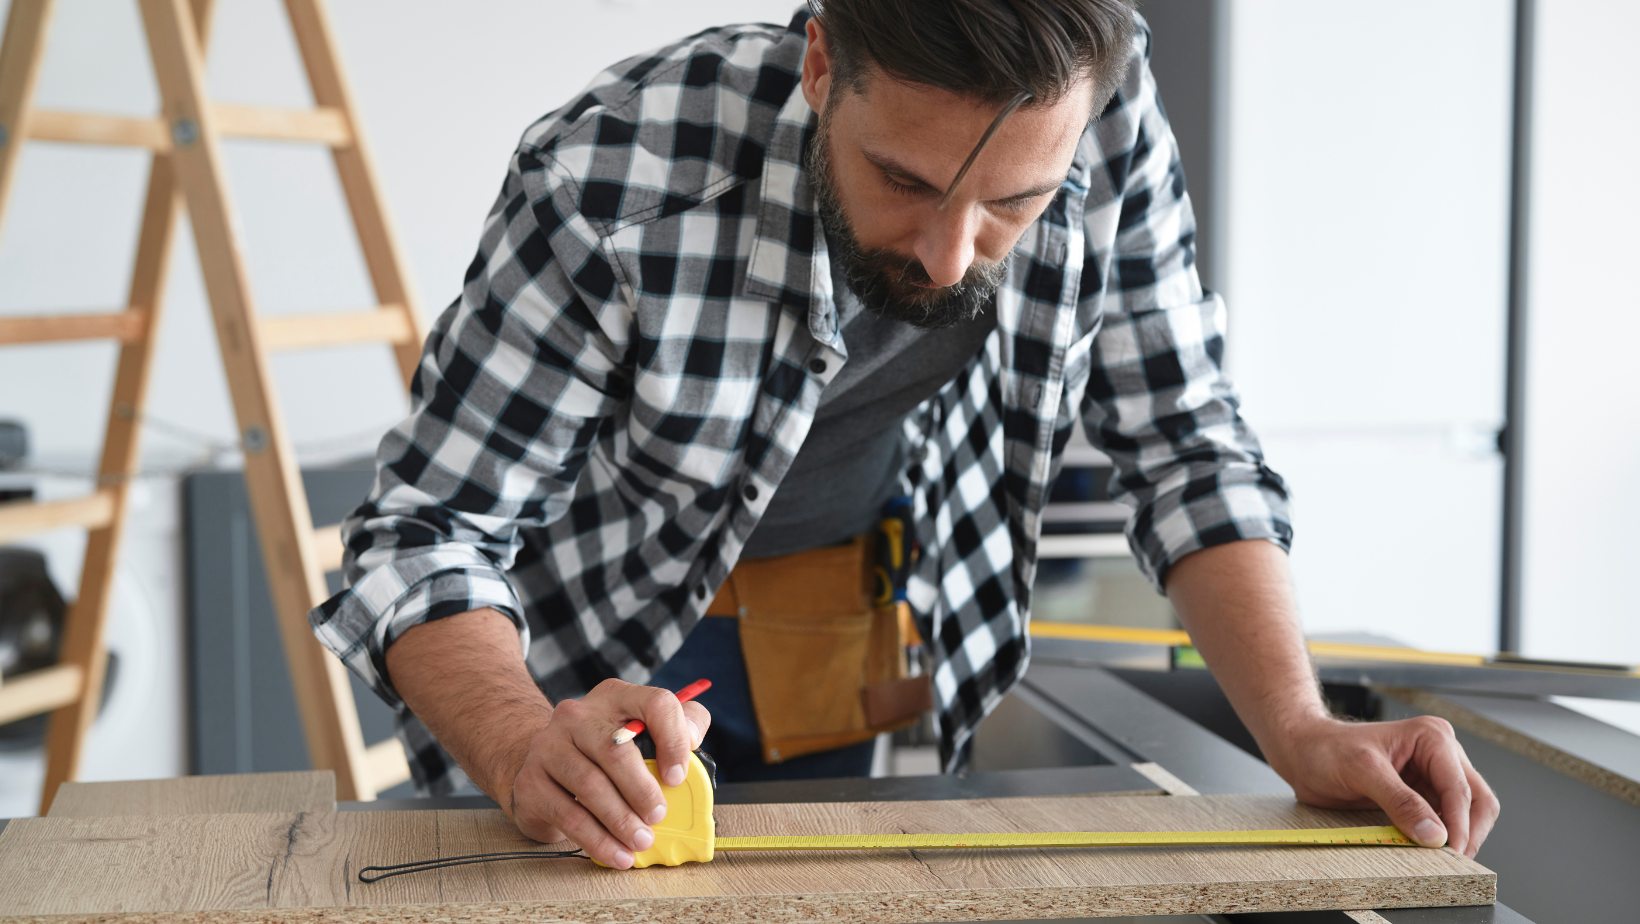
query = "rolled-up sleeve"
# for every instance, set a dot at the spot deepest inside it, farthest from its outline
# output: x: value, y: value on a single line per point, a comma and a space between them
x: 515, y: 380
x: 1158, y: 401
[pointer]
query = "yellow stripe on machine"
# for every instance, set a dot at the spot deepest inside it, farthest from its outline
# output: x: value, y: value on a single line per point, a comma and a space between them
x: 1385, y: 835
x: 1175, y: 637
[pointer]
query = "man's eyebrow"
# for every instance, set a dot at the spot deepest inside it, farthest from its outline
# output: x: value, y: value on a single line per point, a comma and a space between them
x: 1040, y: 189
x: 888, y: 164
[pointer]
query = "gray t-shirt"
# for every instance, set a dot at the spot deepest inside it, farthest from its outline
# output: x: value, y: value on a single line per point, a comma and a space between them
x: 850, y: 464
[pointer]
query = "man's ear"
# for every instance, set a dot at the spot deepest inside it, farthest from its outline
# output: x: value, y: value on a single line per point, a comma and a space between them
x: 817, y: 72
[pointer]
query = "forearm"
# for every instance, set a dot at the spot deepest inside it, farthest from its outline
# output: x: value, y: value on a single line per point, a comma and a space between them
x: 1236, y: 601
x: 465, y: 678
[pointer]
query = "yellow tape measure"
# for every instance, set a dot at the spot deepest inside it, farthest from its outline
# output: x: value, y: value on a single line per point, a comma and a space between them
x: 688, y: 833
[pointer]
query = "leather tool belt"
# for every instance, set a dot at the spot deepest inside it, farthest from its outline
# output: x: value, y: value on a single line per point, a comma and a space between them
x: 827, y: 668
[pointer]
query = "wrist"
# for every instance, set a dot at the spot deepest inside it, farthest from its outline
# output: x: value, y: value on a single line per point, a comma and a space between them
x: 1293, y: 733
x: 501, y: 770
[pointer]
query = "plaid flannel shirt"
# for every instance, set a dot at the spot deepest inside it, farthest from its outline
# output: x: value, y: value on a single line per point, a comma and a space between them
x: 643, y: 337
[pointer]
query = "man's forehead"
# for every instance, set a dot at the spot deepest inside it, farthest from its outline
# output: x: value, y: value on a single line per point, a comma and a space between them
x: 926, y: 133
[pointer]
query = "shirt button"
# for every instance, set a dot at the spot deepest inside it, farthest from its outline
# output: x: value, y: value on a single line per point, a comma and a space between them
x: 817, y: 366
x: 700, y: 591
x: 750, y: 491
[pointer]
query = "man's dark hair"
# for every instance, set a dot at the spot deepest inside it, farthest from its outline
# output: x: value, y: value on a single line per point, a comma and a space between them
x: 995, y: 50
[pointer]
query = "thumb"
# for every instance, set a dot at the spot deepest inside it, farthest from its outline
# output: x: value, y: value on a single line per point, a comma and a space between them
x: 699, y: 720
x: 1406, y: 809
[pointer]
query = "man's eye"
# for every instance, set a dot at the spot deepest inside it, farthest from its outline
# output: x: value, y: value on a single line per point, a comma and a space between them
x: 904, y: 189
x: 1011, y: 206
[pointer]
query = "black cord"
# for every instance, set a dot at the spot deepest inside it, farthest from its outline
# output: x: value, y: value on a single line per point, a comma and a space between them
x: 384, y: 872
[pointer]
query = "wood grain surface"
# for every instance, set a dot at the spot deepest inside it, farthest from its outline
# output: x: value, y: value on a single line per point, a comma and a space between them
x: 303, y: 867
x: 236, y: 794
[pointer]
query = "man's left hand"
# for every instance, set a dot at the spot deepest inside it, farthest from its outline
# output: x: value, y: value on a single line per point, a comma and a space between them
x: 1413, y: 769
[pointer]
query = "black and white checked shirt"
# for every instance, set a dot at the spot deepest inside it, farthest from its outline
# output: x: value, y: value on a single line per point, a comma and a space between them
x: 643, y: 338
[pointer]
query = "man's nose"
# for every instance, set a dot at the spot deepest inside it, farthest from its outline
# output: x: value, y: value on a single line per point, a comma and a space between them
x: 946, y: 245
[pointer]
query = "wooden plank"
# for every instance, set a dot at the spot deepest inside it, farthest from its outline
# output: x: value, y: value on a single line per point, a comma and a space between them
x: 39, y: 691
x: 20, y: 54
x: 303, y: 867
x: 53, y: 328
x: 323, y: 125
x: 283, y: 520
x: 228, y: 794
x: 83, y: 631
x: 27, y: 518
x: 383, y: 255
x: 98, y: 128
x: 387, y: 324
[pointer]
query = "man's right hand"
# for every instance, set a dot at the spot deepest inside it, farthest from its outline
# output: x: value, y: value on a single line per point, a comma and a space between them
x: 574, y: 781
x: 556, y: 772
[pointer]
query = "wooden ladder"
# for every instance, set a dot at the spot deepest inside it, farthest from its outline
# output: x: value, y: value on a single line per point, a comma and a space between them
x: 187, y: 160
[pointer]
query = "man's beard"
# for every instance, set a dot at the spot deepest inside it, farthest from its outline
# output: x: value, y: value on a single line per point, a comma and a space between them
x: 887, y: 282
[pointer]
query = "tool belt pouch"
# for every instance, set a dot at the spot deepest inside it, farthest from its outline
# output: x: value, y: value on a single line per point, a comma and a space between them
x: 826, y: 668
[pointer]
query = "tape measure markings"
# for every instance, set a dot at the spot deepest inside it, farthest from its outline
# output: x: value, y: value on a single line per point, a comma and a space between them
x: 1385, y: 835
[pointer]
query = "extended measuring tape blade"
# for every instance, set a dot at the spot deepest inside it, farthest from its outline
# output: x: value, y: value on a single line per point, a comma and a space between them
x: 684, y: 850
x: 1382, y: 836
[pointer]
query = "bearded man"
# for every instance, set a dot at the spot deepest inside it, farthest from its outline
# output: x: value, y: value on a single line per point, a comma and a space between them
x: 732, y: 302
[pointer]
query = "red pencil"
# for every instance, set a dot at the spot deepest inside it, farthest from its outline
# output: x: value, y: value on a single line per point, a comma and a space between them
x: 631, y: 729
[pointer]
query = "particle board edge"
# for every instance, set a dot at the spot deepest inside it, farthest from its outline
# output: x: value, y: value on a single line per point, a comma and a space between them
x: 941, y: 907
x: 1555, y: 758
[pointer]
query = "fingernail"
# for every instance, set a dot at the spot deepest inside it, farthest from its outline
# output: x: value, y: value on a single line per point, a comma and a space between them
x: 674, y: 775
x: 623, y: 859
x: 643, y: 839
x: 1429, y: 833
x: 656, y: 815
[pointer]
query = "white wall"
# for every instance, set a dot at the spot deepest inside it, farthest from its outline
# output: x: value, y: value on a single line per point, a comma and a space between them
x: 1364, y: 262
x: 1582, y: 426
x: 444, y: 91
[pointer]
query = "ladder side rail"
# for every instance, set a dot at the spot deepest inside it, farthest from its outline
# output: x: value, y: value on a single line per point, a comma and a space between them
x: 20, y: 53
x: 383, y: 255
x: 83, y: 637
x: 83, y: 642
x: 283, y: 519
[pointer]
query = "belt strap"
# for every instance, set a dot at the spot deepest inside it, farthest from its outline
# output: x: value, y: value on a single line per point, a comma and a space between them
x: 728, y: 599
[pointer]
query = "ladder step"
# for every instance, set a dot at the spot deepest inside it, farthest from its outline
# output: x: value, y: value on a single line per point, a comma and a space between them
x: 387, y: 323
x: 26, y: 518
x: 42, y: 691
x: 95, y: 128
x: 327, y: 547
x: 385, y: 765
x: 117, y: 325
x: 322, y: 125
